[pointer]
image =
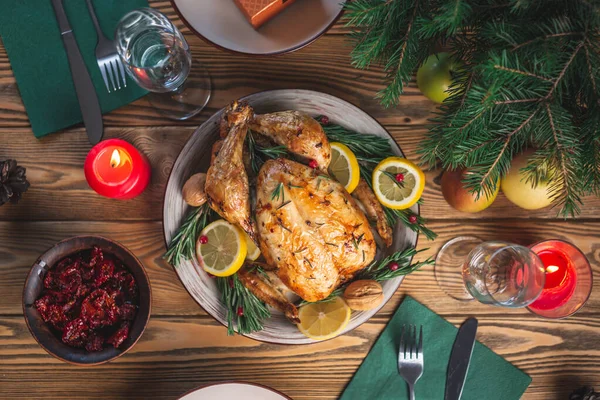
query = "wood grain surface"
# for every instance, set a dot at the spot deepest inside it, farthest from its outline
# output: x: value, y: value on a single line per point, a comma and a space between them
x: 183, y: 347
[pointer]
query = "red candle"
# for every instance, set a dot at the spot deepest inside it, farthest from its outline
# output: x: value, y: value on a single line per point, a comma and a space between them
x: 116, y: 169
x: 560, y: 282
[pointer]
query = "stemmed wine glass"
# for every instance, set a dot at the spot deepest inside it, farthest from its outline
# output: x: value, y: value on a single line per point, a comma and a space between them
x: 158, y: 59
x: 495, y: 272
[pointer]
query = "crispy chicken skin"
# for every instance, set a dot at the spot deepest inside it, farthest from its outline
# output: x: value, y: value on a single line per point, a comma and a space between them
x: 374, y: 210
x: 226, y: 180
x: 298, y: 131
x: 263, y: 288
x: 310, y: 228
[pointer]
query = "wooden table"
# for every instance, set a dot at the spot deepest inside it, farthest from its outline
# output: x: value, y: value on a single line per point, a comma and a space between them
x: 183, y: 347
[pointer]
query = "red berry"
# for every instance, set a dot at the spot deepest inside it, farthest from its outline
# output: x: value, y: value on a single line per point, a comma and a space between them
x: 313, y: 164
x: 393, y: 266
x: 240, y: 311
x: 412, y: 219
x: 325, y: 120
x: 230, y: 281
x: 399, y: 177
x: 203, y: 239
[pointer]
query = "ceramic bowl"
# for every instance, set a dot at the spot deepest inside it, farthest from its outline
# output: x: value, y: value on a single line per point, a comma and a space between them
x: 34, y: 286
x: 195, y: 157
x: 223, y: 25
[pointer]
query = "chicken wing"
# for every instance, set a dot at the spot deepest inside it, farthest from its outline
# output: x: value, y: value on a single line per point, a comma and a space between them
x: 226, y: 181
x: 374, y: 210
x: 310, y: 228
x: 298, y: 131
x: 262, y: 287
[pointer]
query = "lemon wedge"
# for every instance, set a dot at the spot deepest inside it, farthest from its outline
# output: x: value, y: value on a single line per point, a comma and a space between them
x: 221, y: 248
x: 344, y: 166
x: 320, y: 321
x: 398, y: 183
x: 252, y: 252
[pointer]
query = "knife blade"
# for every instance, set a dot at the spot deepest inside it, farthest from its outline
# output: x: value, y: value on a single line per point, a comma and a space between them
x: 84, y: 88
x: 460, y: 357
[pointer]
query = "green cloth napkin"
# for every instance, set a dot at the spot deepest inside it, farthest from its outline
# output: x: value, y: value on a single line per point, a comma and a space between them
x: 490, y: 377
x: 31, y: 37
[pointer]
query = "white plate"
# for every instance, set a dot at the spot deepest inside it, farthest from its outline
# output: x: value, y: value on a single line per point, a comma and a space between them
x: 232, y: 391
x: 221, y: 23
x: 195, y: 157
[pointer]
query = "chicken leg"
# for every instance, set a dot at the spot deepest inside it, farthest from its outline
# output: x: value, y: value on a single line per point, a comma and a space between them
x: 226, y: 180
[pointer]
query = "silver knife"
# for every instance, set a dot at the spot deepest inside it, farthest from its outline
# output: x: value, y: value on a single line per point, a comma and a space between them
x: 86, y: 93
x: 460, y: 359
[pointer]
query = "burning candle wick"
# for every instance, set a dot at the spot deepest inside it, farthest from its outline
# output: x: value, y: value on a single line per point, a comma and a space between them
x: 551, y: 268
x: 115, y: 159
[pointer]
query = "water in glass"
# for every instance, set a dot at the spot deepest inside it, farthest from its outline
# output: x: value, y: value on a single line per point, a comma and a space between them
x: 503, y: 274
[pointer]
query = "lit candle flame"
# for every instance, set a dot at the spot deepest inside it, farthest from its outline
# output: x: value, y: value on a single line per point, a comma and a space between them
x: 551, y: 268
x: 115, y: 159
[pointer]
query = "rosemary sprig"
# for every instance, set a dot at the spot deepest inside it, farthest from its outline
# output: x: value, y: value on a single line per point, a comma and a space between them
x: 260, y: 154
x: 183, y: 244
x: 278, y: 192
x: 363, y: 145
x: 245, y: 312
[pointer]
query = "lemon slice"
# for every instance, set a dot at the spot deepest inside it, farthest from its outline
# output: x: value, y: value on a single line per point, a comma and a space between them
x: 395, y: 194
x: 221, y: 248
x: 320, y: 321
x: 344, y: 166
x: 252, y: 252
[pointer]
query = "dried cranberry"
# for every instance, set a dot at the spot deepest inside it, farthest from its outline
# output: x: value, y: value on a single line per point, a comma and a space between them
x: 103, y: 272
x: 50, y: 281
x: 128, y: 312
x: 99, y: 309
x: 96, y: 257
x: 119, y: 336
x: 76, y: 333
x: 69, y: 280
x: 63, y: 264
x: 94, y: 343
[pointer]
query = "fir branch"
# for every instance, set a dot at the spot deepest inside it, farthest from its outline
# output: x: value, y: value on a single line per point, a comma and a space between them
x: 183, y: 244
x: 245, y: 312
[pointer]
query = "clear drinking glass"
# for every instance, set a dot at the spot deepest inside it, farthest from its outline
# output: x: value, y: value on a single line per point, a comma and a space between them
x: 158, y: 58
x: 495, y: 272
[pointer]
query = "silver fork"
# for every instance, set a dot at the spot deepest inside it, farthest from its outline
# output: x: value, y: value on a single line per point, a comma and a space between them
x: 410, y: 356
x: 109, y: 62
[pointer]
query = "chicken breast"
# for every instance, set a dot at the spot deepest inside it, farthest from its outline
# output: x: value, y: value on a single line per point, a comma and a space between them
x: 298, y: 131
x: 310, y: 228
x: 226, y: 180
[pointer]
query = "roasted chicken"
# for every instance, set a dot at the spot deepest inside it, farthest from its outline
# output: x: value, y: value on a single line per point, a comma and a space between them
x: 311, y: 232
x: 226, y: 180
x: 299, y: 132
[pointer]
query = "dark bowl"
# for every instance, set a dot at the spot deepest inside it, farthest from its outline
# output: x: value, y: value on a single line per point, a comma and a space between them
x: 34, y: 285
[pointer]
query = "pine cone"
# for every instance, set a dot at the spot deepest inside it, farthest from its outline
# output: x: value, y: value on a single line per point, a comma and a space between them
x: 585, y: 393
x: 13, y: 181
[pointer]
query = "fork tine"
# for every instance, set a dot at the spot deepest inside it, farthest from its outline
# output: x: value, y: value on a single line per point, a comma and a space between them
x: 413, y: 341
x: 402, y: 350
x: 420, y: 348
x: 122, y: 69
x: 104, y: 77
x: 113, y: 64
x: 109, y: 71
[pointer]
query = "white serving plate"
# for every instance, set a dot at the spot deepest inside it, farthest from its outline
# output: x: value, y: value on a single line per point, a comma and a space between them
x: 195, y: 157
x: 222, y: 24
x: 234, y: 390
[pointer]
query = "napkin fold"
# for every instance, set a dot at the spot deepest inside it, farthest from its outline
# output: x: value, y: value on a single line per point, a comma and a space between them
x: 490, y: 377
x: 39, y: 62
